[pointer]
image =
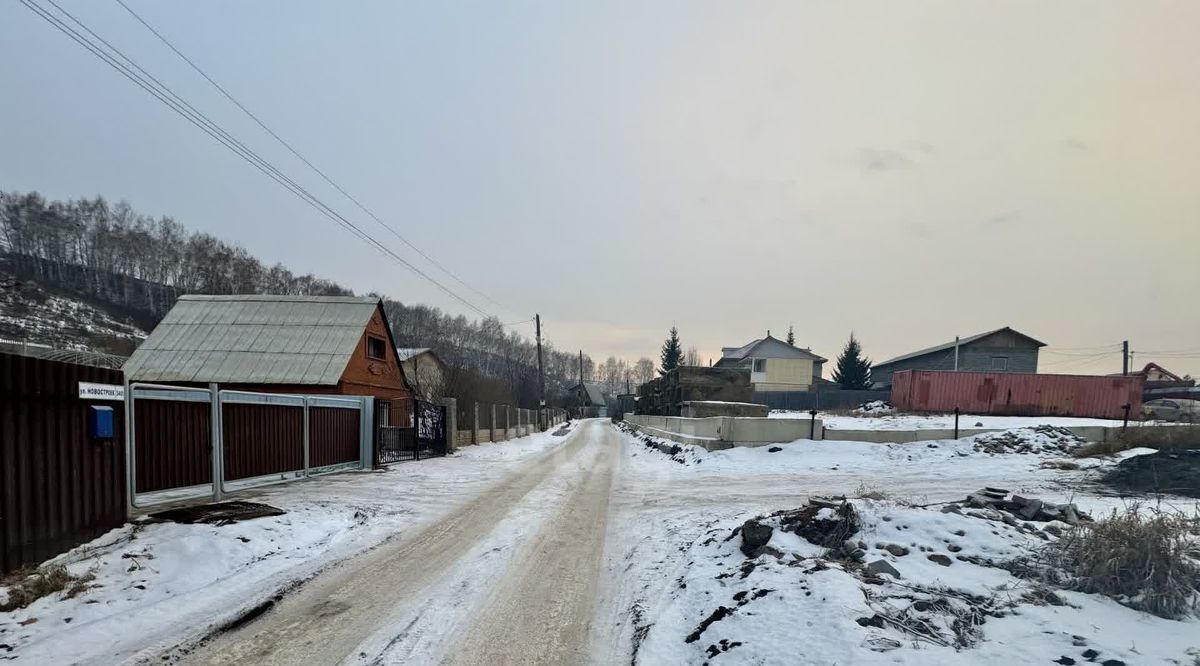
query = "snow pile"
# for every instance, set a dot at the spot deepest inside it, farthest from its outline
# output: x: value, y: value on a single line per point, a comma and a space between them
x: 1043, y: 439
x: 908, y: 585
x: 875, y: 408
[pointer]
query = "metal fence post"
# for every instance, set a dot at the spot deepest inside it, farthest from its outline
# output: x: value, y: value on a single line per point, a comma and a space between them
x: 507, y: 420
x: 451, y: 424
x: 492, y: 429
x: 475, y: 428
x: 130, y: 451
x: 366, y: 433
x: 218, y: 444
x: 308, y: 438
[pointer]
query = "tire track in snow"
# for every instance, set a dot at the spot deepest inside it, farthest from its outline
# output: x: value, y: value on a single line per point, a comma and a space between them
x: 542, y: 611
x: 330, y: 617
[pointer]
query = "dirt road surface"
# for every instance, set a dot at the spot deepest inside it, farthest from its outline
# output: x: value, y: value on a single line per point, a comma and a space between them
x: 539, y: 610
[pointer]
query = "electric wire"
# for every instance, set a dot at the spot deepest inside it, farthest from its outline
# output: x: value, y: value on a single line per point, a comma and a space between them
x: 165, y: 95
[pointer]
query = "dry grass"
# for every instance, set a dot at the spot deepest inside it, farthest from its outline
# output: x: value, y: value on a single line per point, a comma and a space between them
x: 1146, y: 559
x: 1151, y: 437
x: 26, y: 587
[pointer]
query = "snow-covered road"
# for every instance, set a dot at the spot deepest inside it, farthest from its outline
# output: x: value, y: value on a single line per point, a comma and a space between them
x: 372, y: 607
x: 546, y: 549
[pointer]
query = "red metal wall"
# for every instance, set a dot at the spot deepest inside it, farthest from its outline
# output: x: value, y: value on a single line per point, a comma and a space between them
x: 1016, y: 394
x: 58, y: 487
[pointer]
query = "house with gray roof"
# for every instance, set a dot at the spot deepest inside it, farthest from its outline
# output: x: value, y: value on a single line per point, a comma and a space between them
x: 277, y: 344
x: 999, y: 350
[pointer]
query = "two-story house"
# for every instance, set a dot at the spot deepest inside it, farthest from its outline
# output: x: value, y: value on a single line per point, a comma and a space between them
x: 774, y: 365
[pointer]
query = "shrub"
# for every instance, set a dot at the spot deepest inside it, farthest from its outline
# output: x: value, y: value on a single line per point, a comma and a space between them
x: 26, y: 587
x: 1142, y: 558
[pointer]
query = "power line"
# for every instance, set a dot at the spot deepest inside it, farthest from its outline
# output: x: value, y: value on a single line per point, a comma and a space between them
x: 164, y: 94
x: 296, y: 153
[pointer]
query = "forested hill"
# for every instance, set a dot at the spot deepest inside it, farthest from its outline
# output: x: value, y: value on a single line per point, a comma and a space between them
x: 131, y: 267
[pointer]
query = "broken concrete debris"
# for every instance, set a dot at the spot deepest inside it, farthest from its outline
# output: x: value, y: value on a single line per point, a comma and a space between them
x: 824, y: 521
x: 1026, y: 508
x: 1039, y: 439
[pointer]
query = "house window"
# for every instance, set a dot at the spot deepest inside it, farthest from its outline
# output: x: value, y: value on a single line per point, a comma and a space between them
x: 760, y: 365
x: 376, y: 348
x: 999, y: 363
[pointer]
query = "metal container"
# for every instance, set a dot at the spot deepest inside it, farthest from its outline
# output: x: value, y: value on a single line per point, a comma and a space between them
x: 1017, y: 394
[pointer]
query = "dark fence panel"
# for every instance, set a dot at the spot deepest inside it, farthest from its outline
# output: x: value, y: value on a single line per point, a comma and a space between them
x: 333, y: 435
x: 173, y: 444
x: 58, y: 488
x: 262, y: 439
x: 805, y: 400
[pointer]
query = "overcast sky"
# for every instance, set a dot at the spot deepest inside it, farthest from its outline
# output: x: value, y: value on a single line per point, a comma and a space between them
x: 910, y: 171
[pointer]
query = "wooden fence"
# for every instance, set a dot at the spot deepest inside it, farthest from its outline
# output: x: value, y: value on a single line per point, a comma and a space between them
x: 58, y: 487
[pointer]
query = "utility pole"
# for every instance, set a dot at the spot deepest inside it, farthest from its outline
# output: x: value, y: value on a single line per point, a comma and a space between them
x: 582, y: 388
x: 956, y: 353
x: 541, y: 374
x: 1125, y: 358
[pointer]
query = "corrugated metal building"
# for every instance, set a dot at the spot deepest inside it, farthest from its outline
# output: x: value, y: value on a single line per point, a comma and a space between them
x: 1000, y: 350
x: 1017, y: 394
x: 294, y: 344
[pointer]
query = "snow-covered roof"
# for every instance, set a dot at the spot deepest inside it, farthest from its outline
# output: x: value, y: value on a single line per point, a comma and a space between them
x: 253, y: 340
x: 960, y: 342
x: 405, y: 353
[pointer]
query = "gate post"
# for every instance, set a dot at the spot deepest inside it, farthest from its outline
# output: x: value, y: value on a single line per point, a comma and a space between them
x: 475, y: 428
x: 130, y: 452
x: 493, y: 428
x: 451, y: 424
x: 307, y: 439
x: 507, y: 420
x: 216, y: 433
x: 367, y: 432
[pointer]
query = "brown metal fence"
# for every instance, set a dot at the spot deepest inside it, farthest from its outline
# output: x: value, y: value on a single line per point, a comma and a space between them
x: 172, y: 444
x: 58, y: 487
x: 333, y: 433
x: 263, y: 439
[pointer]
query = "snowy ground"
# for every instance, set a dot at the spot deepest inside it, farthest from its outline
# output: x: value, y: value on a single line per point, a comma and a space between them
x: 677, y: 567
x: 157, y: 584
x: 499, y: 553
x: 938, y: 421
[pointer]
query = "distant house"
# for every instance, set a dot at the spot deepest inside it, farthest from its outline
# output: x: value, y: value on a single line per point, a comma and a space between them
x: 425, y: 372
x: 275, y: 344
x: 774, y: 365
x: 587, y: 400
x: 1001, y: 350
x: 1153, y: 372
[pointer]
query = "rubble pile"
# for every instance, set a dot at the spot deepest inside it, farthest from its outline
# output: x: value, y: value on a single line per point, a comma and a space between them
x: 1024, y: 508
x: 1043, y: 439
x: 824, y: 521
x: 875, y: 408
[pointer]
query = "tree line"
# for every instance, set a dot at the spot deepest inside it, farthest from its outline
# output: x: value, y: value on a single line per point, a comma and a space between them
x: 111, y: 255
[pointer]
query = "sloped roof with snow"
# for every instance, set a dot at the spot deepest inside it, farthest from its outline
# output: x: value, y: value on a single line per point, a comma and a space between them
x: 405, y: 353
x: 253, y: 340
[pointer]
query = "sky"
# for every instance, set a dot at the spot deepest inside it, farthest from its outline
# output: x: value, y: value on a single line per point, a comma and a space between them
x: 908, y: 171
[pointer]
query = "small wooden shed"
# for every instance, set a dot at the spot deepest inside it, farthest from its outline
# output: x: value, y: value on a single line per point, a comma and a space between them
x: 274, y: 344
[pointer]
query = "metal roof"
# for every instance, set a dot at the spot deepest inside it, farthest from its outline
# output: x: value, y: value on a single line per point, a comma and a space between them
x: 595, y: 395
x: 960, y: 342
x: 405, y: 353
x: 253, y: 340
x: 777, y: 349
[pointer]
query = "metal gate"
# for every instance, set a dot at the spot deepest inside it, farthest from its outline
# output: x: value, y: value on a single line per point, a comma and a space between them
x: 189, y: 441
x: 420, y: 432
